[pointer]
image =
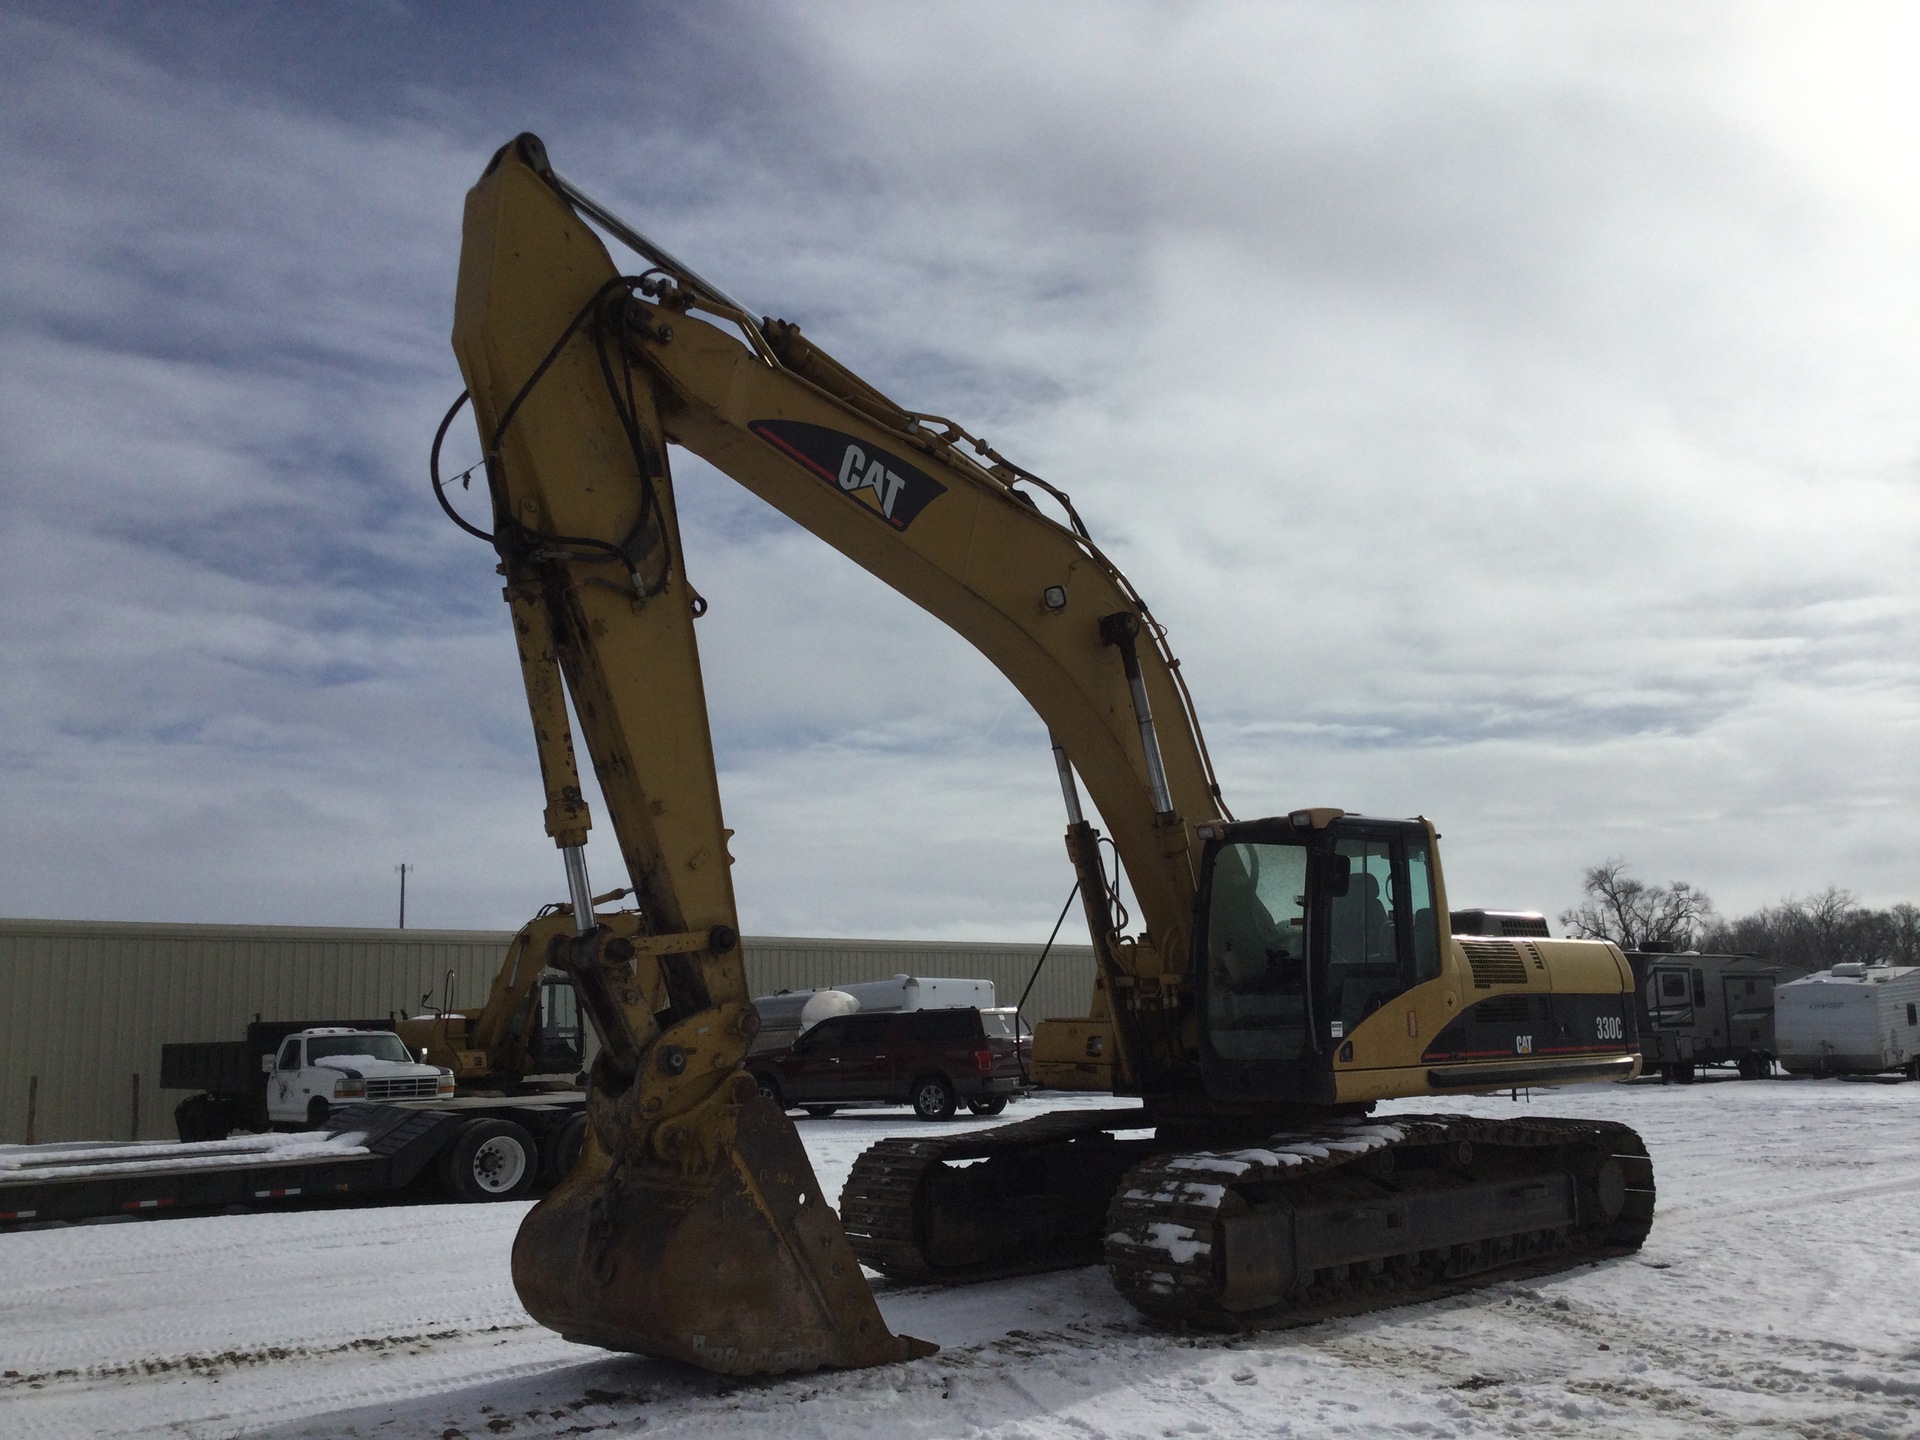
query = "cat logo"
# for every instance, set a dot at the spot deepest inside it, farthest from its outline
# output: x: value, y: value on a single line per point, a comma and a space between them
x: 1523, y: 1044
x: 859, y: 473
x: 885, y: 484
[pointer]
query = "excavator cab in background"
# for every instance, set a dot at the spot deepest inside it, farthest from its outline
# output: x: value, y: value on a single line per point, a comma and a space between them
x: 1284, y: 974
x: 527, y: 1035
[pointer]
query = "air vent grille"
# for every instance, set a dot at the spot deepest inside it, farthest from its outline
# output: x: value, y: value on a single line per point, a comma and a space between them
x: 1503, y: 1010
x: 1534, y: 950
x: 1495, y: 962
x: 1524, y: 925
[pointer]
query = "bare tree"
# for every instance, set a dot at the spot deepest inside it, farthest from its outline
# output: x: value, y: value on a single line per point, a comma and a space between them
x: 1819, y: 932
x: 1634, y: 914
x: 1903, y: 934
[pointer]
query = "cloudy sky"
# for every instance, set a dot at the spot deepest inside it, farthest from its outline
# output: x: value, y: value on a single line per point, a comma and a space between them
x: 1514, y: 411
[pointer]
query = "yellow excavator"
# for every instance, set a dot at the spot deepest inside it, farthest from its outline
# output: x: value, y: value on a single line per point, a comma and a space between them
x: 1285, y: 973
x: 527, y: 1035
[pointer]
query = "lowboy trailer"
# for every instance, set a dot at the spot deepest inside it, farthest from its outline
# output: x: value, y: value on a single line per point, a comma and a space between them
x: 476, y: 1149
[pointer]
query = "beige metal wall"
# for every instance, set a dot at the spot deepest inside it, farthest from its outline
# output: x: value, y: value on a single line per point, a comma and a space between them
x: 86, y: 1005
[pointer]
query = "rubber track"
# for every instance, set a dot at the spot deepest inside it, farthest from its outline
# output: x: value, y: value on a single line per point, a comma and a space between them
x: 1162, y: 1229
x: 878, y: 1201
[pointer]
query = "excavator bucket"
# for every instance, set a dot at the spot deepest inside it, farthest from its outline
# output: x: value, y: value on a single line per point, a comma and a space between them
x: 712, y: 1246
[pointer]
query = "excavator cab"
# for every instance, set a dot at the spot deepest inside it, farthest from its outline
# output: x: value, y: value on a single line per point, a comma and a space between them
x: 1310, y: 925
x: 555, y: 1043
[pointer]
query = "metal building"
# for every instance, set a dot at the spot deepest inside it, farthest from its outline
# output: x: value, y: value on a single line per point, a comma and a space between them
x: 86, y: 1005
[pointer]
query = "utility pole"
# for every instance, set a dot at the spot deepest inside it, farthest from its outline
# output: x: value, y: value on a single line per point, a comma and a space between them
x: 403, y: 869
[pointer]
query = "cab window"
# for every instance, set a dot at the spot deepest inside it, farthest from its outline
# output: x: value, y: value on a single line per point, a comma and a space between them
x: 1257, y: 952
x: 942, y: 1027
x: 556, y: 1042
x: 865, y: 1029
x: 289, y: 1056
x: 1425, y: 919
x: 824, y: 1036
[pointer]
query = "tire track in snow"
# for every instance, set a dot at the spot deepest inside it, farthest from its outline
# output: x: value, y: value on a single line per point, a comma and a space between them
x: 1784, y: 1202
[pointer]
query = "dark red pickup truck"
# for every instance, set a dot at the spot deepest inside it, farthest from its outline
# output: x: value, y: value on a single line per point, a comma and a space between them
x: 934, y: 1060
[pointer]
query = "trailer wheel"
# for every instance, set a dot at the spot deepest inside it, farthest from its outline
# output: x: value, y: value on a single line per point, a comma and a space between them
x: 489, y: 1160
x: 564, y: 1147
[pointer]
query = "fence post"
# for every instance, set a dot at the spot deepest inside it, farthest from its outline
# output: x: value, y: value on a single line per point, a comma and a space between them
x: 33, y: 1106
x: 135, y: 1128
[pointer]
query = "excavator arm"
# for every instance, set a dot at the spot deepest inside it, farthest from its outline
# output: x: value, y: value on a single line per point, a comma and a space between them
x: 579, y: 377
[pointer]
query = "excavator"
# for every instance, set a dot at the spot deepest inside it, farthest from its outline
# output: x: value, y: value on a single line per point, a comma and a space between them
x: 1283, y: 975
x: 527, y: 1035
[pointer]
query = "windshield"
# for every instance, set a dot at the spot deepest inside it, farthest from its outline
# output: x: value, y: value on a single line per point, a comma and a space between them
x: 1257, y: 952
x: 383, y: 1046
x: 999, y: 1024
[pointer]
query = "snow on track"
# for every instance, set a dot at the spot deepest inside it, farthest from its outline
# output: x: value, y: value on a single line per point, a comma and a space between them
x: 1773, y: 1298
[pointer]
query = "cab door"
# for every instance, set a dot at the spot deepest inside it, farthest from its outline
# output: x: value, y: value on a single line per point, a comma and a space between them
x: 865, y: 1071
x: 1381, y: 931
x: 808, y: 1071
x: 286, y: 1100
x: 556, y: 1047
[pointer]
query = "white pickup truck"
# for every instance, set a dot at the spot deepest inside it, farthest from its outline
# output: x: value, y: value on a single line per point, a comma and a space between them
x: 317, y: 1069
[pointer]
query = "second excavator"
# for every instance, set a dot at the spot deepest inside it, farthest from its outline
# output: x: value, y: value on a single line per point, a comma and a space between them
x: 1286, y: 974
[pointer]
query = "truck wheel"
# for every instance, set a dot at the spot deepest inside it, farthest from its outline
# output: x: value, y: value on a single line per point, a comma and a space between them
x: 317, y: 1113
x: 933, y: 1098
x: 820, y: 1112
x: 770, y: 1088
x: 489, y: 1160
x: 988, y: 1105
x: 564, y: 1147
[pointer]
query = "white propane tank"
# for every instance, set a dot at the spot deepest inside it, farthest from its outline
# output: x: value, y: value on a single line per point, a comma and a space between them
x: 824, y: 1005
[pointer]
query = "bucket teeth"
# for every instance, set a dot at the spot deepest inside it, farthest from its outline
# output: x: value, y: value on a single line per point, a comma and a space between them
x: 724, y: 1256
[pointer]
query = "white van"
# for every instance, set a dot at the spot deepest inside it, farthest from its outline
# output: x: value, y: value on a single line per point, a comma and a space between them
x: 317, y: 1069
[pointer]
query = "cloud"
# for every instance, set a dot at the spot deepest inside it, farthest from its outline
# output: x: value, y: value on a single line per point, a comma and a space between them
x: 1508, y: 410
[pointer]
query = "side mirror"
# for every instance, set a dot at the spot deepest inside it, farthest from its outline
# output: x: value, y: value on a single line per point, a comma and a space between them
x: 266, y: 1063
x: 1336, y: 874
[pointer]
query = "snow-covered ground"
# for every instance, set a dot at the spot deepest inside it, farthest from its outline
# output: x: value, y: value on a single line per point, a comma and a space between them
x: 1779, y: 1295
